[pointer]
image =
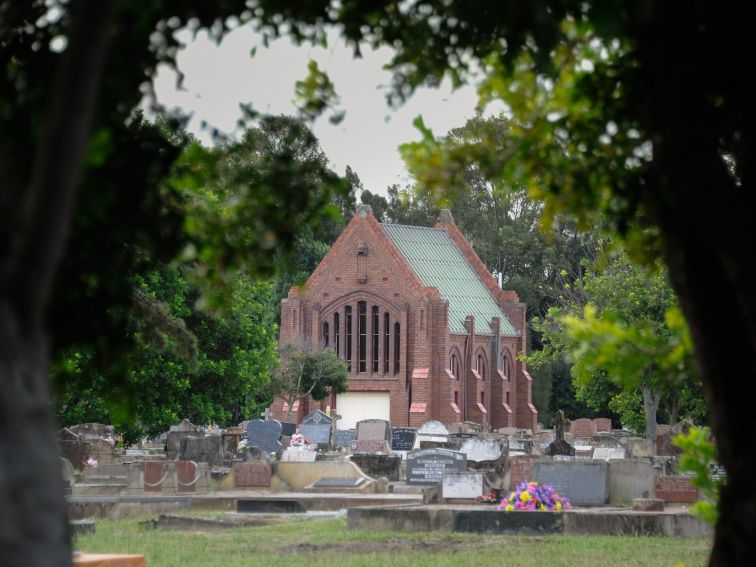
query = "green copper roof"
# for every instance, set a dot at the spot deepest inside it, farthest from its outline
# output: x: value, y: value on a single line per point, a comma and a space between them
x: 438, y: 263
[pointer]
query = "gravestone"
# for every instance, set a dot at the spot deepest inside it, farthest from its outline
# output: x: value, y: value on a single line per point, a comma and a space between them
x: 265, y: 435
x: 609, y: 453
x: 73, y: 448
x: 468, y: 485
x: 206, y: 449
x: 403, y: 438
x: 373, y: 430
x: 154, y: 475
x: 479, y: 450
x: 177, y: 434
x: 252, y: 475
x: 67, y: 472
x: 559, y: 446
x: 602, y: 424
x: 288, y: 429
x: 433, y: 431
x: 582, y: 427
x: 93, y: 430
x: 344, y: 438
x: 428, y: 466
x: 378, y: 465
x: 584, y: 483
x: 186, y: 476
x: 317, y: 428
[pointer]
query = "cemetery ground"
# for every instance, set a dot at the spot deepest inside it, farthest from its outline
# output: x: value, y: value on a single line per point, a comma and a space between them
x: 297, y: 541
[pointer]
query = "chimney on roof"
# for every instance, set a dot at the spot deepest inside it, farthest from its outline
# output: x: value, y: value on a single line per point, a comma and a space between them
x: 445, y: 217
x: 363, y: 210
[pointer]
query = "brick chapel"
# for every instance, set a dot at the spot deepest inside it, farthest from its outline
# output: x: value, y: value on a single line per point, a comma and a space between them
x: 424, y: 328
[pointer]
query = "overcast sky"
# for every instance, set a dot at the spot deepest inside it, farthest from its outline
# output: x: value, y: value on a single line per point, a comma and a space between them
x: 219, y: 77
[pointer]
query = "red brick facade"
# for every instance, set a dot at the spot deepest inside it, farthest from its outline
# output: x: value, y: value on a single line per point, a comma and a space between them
x: 365, y: 283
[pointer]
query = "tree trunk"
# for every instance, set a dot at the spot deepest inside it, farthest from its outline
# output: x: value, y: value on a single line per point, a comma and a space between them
x: 650, y: 407
x: 33, y: 525
x: 696, y: 110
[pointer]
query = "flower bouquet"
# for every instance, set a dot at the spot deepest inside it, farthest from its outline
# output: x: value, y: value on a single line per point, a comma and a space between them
x: 300, y: 442
x: 493, y: 497
x: 534, y: 496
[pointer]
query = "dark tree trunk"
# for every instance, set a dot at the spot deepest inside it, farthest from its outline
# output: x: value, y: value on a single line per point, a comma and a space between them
x: 33, y: 525
x: 697, y: 111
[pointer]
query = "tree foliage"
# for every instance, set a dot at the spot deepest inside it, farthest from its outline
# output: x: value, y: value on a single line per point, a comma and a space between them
x: 627, y: 341
x: 306, y: 373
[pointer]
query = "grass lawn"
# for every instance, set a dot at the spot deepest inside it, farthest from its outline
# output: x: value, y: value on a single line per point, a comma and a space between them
x: 327, y: 542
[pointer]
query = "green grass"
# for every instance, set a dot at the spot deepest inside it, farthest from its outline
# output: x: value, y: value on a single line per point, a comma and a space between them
x: 328, y: 543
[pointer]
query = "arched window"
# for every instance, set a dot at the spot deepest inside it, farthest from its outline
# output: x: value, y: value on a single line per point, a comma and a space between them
x: 362, y: 333
x: 376, y: 338
x: 325, y: 334
x: 454, y: 365
x: 397, y: 342
x: 480, y: 365
x: 336, y: 334
x: 386, y: 342
x: 348, y: 342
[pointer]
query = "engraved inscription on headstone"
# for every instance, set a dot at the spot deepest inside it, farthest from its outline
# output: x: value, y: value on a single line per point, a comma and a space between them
x: 403, y: 438
x: 265, y: 435
x: 428, y: 466
x: 316, y: 427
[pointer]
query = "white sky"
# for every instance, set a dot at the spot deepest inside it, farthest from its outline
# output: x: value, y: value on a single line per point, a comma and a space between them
x: 219, y: 77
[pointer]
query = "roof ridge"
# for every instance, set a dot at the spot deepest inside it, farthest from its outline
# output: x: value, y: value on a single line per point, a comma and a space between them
x: 411, y: 226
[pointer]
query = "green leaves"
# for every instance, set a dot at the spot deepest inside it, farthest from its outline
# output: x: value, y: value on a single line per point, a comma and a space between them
x: 699, y: 453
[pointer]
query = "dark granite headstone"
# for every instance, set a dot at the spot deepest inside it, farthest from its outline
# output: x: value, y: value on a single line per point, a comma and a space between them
x: 583, y: 482
x: 206, y: 449
x: 403, y: 438
x: 317, y: 428
x: 265, y: 435
x: 428, y: 466
x: 345, y: 438
x: 377, y: 465
x: 288, y: 429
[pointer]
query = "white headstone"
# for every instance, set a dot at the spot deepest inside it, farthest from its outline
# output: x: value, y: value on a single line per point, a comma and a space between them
x: 481, y: 449
x: 462, y: 485
x: 609, y: 453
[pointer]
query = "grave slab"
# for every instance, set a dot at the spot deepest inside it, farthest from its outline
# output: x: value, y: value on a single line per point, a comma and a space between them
x: 584, y: 483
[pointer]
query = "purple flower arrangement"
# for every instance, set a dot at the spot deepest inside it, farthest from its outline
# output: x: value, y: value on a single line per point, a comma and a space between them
x: 534, y: 496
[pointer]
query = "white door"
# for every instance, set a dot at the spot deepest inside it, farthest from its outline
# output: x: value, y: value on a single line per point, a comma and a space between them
x: 356, y: 406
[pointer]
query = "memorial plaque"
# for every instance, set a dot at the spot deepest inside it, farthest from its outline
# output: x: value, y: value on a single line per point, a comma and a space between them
x: 428, y: 466
x: 186, y: 476
x: 252, y: 474
x: 369, y: 446
x: 265, y: 435
x: 345, y: 438
x: 583, y: 482
x: 153, y: 475
x: 403, y: 438
x: 317, y: 428
x: 466, y: 485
